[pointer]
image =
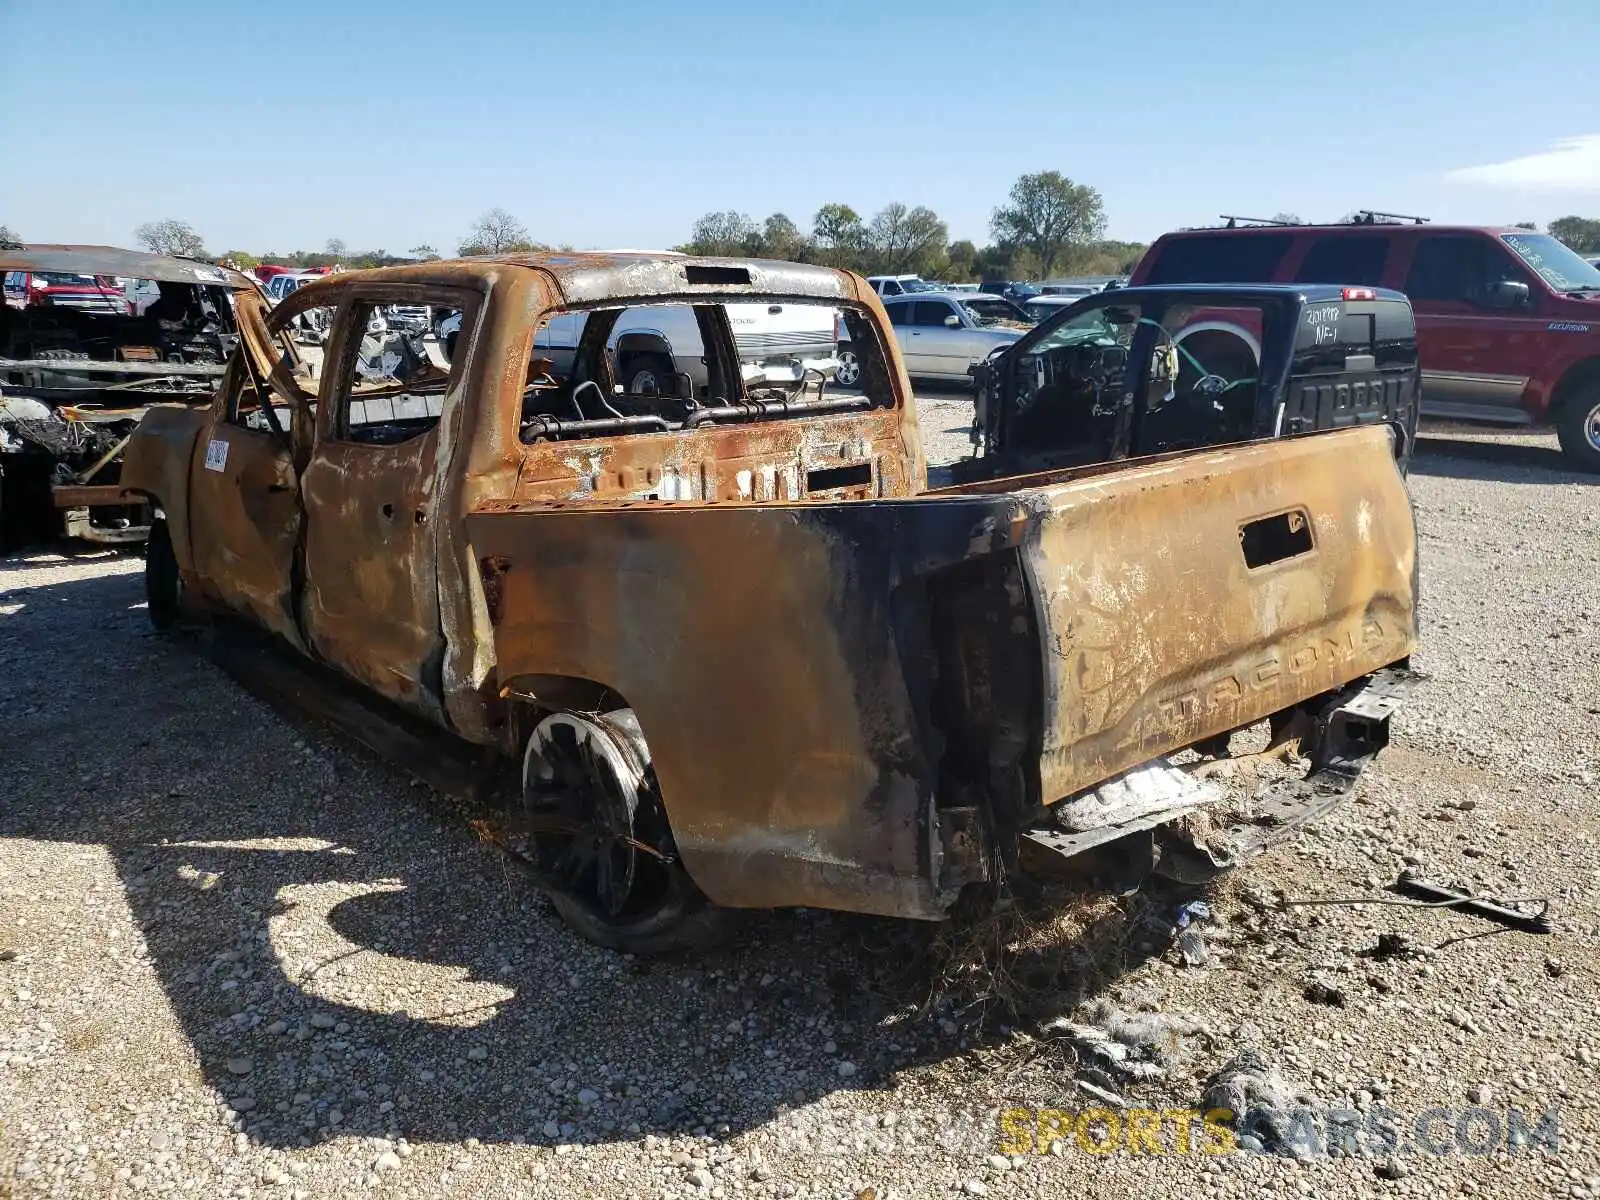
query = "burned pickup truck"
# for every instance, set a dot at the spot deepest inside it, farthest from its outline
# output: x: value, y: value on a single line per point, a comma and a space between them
x: 90, y: 337
x: 723, y: 641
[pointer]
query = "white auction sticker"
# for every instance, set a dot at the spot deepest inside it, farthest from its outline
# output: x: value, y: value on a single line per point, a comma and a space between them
x: 216, y: 455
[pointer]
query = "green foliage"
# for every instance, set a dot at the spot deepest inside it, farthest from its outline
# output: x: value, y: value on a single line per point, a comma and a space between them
x: 1580, y: 233
x: 1051, y: 225
x: 1047, y: 214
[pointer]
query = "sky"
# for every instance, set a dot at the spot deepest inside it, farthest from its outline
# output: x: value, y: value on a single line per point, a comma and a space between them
x: 389, y: 125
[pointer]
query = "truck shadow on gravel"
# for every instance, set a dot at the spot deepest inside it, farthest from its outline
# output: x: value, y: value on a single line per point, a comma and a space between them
x: 346, y: 958
x: 1494, y: 461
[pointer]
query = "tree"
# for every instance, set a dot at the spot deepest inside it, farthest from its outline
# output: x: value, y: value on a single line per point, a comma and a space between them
x: 1580, y: 233
x: 496, y: 232
x: 425, y: 252
x: 1046, y: 214
x: 724, y: 233
x: 1525, y: 225
x: 906, y: 239
x: 337, y: 248
x: 1288, y: 218
x: 242, y: 259
x: 170, y: 237
x: 781, y: 238
x: 840, y: 233
x: 963, y: 261
x: 8, y: 238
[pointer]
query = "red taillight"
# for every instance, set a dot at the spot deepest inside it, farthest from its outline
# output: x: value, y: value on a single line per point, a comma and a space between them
x: 1360, y: 294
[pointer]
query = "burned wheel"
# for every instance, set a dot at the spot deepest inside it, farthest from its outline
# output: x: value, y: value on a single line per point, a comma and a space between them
x: 162, y: 583
x: 601, y: 845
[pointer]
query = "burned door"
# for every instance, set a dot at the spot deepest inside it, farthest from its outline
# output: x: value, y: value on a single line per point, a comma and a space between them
x: 372, y: 497
x: 244, y: 503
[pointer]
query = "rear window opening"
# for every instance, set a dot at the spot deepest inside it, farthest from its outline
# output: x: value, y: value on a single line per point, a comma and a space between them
x: 670, y: 368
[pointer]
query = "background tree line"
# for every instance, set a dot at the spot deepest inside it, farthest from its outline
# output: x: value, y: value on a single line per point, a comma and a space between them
x: 1048, y: 226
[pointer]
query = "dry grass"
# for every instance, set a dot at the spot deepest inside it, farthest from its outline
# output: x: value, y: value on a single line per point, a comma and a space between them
x: 1018, y: 962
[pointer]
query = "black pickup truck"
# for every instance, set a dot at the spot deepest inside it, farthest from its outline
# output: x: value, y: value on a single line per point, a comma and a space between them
x: 1149, y: 370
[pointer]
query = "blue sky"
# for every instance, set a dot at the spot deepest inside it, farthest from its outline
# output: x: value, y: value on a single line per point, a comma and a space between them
x: 392, y: 124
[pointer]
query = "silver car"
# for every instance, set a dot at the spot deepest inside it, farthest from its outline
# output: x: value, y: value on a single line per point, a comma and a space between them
x: 942, y: 334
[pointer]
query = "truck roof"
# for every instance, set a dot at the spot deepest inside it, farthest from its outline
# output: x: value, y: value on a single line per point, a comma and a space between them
x: 591, y: 276
x: 113, y: 260
x: 1409, y: 228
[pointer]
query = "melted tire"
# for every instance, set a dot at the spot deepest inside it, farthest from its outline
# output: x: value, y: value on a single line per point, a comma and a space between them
x: 162, y: 582
x: 665, y: 912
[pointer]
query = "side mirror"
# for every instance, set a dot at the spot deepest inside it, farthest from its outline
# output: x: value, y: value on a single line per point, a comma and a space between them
x: 1508, y: 294
x: 954, y: 322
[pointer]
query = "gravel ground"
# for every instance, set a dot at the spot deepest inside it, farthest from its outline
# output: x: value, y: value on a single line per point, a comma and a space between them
x: 239, y: 957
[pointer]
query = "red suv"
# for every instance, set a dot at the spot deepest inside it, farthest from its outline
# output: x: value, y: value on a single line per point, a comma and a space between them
x: 1508, y: 321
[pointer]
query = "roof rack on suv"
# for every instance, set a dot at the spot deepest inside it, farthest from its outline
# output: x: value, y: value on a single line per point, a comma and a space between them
x: 1234, y: 222
x: 1369, y: 216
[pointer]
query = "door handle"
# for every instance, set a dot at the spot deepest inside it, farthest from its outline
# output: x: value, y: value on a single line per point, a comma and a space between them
x: 388, y: 511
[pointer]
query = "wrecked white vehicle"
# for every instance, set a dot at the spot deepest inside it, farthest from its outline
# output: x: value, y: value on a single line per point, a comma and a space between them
x: 76, y: 377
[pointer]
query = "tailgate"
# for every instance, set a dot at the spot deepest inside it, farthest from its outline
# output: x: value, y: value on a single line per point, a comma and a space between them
x: 1190, y: 596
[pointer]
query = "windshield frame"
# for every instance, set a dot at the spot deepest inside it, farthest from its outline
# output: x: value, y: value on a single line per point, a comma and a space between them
x: 1551, y: 260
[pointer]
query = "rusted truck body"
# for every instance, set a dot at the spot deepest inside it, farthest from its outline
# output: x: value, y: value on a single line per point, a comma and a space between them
x: 80, y: 366
x: 734, y: 644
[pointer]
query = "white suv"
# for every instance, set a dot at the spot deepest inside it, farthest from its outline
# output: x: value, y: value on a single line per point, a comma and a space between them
x: 900, y: 285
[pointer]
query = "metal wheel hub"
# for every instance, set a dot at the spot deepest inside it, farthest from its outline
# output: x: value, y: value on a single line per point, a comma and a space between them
x: 584, y: 784
x: 1591, y: 428
x: 848, y: 372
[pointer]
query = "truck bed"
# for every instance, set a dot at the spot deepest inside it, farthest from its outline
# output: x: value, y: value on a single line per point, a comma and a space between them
x: 843, y: 699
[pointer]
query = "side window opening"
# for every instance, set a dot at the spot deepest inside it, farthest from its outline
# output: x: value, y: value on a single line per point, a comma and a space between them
x: 1345, y: 258
x: 1460, y: 268
x: 252, y: 401
x: 391, y: 382
x: 1221, y: 258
